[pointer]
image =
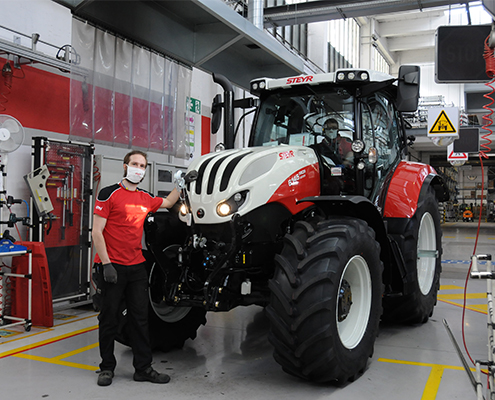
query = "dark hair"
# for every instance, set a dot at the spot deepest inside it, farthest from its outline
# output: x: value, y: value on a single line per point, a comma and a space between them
x: 331, y: 121
x: 127, y: 157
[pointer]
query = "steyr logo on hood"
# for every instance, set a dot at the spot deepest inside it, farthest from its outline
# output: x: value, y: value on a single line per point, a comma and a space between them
x: 300, y: 79
x: 286, y: 154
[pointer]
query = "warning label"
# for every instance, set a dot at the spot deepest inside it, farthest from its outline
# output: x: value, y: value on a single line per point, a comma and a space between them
x: 442, y: 125
x: 452, y: 156
x: 457, y: 156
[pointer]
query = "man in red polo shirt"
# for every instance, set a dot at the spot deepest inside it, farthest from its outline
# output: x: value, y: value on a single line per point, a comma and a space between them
x: 119, y: 214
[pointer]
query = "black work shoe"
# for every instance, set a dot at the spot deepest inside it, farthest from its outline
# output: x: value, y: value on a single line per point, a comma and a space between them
x: 151, y: 375
x: 105, y: 378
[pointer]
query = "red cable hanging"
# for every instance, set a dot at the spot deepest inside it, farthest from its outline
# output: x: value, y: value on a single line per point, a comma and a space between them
x: 490, y: 71
x: 488, y: 55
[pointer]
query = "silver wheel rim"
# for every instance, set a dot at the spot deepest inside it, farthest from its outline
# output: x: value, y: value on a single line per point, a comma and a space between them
x: 353, y: 327
x: 427, y: 253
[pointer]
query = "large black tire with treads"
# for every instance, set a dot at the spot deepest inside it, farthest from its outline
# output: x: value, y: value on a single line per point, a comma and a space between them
x: 166, y: 336
x: 421, y: 245
x: 326, y: 297
x: 170, y: 326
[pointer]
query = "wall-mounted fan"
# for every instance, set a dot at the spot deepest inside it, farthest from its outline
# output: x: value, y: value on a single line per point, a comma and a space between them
x: 11, y: 136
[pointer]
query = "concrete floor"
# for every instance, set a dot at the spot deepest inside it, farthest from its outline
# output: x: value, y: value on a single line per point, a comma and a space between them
x: 231, y: 357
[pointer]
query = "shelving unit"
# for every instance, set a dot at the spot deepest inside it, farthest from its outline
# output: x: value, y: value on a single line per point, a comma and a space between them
x: 19, y: 320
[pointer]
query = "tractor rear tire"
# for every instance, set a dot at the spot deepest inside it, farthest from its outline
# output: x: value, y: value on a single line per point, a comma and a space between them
x: 326, y: 298
x: 422, y: 253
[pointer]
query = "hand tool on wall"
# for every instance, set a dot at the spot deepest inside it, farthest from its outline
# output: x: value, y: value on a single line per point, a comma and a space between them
x: 64, y: 201
x: 71, y: 194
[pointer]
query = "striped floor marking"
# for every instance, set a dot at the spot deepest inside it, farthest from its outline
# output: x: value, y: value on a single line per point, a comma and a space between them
x: 480, y: 262
x: 59, y: 360
x: 433, y: 383
x: 457, y: 299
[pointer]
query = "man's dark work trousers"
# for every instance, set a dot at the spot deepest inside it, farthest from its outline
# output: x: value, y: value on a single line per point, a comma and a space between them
x: 132, y: 285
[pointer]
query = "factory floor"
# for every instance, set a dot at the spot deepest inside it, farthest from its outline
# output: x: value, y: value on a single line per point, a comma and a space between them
x: 231, y: 358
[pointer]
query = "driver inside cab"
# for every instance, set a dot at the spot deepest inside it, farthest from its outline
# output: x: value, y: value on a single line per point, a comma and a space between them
x: 339, y: 143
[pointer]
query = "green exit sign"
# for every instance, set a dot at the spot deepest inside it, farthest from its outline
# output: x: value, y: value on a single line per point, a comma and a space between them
x: 194, y: 105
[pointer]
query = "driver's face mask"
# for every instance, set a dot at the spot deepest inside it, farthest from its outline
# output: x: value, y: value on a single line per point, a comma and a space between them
x: 134, y: 175
x: 330, y: 132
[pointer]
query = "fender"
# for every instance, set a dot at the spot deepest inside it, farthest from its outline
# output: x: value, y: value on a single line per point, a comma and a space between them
x: 357, y: 207
x: 405, y: 186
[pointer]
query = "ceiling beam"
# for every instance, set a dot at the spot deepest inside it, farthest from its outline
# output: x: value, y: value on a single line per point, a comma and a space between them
x: 325, y: 10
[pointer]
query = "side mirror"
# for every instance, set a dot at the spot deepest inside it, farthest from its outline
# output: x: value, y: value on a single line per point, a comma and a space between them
x: 408, y: 88
x: 216, y: 113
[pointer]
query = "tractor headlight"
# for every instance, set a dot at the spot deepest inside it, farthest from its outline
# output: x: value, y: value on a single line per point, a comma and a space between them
x: 372, y: 155
x: 183, y: 210
x: 223, y: 209
x: 257, y: 86
x: 231, y: 205
x: 357, y: 146
x: 356, y: 76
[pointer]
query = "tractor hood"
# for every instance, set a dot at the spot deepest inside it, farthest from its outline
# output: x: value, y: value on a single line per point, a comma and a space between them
x: 241, y: 180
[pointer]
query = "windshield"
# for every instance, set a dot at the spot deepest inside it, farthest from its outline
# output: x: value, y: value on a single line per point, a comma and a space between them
x: 305, y: 118
x: 321, y: 118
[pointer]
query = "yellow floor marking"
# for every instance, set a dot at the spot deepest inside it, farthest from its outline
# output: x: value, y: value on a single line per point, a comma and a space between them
x: 449, y: 237
x: 48, y: 341
x: 55, y: 360
x: 433, y: 383
x: 482, y: 307
x: 470, y: 237
x: 78, y: 351
x: 25, y: 336
x: 460, y: 296
x: 45, y: 330
x: 491, y: 238
x: 63, y: 316
x: 458, y: 305
x: 450, y: 287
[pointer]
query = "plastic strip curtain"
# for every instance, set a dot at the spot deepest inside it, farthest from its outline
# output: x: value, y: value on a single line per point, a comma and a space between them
x: 128, y: 96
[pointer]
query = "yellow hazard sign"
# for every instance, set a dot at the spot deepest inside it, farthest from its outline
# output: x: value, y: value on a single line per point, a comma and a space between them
x: 442, y: 125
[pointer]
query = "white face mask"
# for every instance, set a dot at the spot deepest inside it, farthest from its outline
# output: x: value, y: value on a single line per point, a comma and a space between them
x: 331, y: 133
x: 134, y: 175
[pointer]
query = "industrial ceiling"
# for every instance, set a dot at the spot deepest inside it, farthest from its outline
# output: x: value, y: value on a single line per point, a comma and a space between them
x: 210, y: 35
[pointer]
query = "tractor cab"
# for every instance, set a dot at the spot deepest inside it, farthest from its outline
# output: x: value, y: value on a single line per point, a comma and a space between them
x: 349, y: 118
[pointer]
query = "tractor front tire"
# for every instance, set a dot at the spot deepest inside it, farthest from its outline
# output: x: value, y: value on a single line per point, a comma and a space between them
x: 326, y: 297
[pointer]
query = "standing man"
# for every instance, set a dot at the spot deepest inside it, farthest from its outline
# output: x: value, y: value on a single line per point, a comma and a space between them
x: 119, y: 214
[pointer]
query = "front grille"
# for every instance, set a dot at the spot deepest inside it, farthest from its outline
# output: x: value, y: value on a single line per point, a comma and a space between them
x: 209, y: 180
